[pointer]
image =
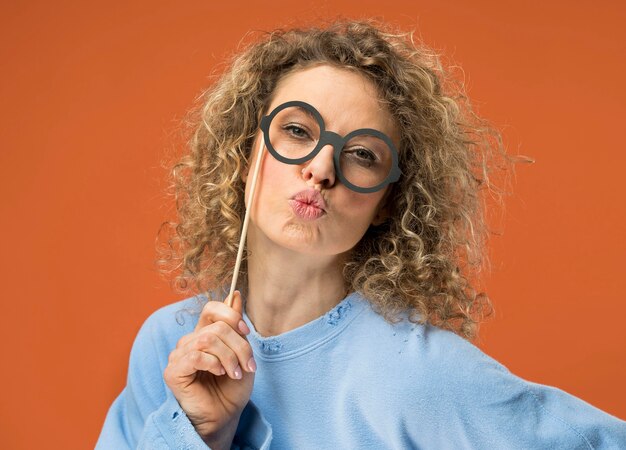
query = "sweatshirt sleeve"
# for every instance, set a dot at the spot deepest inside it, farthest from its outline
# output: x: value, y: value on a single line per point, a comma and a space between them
x: 493, y: 408
x: 146, y: 415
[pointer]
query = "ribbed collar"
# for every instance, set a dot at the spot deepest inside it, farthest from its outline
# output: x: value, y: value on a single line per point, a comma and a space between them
x: 308, y: 336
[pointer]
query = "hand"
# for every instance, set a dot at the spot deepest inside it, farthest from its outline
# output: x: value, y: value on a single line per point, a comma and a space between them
x: 197, y: 366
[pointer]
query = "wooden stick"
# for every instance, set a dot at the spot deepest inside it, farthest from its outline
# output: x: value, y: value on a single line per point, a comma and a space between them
x: 246, y: 220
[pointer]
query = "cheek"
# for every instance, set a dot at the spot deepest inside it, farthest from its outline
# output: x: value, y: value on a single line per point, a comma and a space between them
x: 275, y: 176
x: 363, y: 207
x: 273, y: 182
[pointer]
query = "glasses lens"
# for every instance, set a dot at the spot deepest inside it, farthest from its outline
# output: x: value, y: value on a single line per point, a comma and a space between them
x: 366, y: 161
x: 294, y: 132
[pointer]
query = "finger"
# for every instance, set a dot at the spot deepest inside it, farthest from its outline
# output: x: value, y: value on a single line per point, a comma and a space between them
x: 238, y: 346
x: 214, y: 311
x: 238, y: 306
x: 239, y: 355
x: 237, y: 302
x: 210, y: 344
x: 191, y: 363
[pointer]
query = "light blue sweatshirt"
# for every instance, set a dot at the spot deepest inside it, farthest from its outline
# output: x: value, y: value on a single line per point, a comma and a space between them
x: 350, y: 380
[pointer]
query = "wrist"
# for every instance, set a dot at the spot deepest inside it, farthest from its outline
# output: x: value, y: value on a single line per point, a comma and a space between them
x: 222, y: 438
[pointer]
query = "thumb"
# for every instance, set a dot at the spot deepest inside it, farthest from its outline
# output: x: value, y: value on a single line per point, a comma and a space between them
x: 236, y: 303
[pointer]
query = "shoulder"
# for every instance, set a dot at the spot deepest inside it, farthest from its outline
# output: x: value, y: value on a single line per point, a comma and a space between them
x: 157, y: 337
x: 160, y: 332
x: 437, y: 377
x: 428, y: 357
x: 424, y: 341
x: 177, y: 316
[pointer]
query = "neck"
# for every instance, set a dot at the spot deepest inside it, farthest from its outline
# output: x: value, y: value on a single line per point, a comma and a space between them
x: 287, y: 289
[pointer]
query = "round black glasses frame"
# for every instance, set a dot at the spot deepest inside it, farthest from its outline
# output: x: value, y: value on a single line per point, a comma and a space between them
x: 334, y: 139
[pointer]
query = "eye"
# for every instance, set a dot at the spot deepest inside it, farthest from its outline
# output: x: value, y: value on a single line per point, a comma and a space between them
x: 364, y: 153
x: 296, y: 131
x: 361, y: 154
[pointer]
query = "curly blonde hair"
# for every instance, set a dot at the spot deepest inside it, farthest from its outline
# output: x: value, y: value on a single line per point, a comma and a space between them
x: 425, y: 259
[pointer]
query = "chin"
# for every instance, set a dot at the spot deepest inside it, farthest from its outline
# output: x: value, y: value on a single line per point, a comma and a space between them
x: 300, y: 236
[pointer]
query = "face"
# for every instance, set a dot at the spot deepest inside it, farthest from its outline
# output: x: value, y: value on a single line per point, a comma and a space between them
x: 304, y: 207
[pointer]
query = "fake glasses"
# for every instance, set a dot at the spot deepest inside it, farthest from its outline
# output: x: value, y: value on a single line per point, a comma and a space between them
x: 365, y: 160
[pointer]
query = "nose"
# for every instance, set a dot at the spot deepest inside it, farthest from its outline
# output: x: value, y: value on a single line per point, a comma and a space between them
x: 320, y: 171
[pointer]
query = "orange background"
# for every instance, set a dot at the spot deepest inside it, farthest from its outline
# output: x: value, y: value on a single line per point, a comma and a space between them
x: 90, y: 102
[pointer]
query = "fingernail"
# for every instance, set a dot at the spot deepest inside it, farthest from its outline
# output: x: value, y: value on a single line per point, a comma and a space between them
x: 243, y: 327
x: 252, y: 364
x: 237, y: 372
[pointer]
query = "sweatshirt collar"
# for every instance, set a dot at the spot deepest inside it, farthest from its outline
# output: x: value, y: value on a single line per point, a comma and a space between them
x: 308, y: 336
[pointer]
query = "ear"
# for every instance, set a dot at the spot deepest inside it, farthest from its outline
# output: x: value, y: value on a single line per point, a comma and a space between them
x: 383, y: 210
x: 381, y: 216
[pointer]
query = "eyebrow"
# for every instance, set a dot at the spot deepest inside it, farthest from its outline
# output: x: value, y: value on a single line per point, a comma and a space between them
x: 309, y: 113
x: 312, y: 116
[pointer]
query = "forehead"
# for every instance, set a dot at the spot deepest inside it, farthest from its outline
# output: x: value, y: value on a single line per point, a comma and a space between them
x: 345, y: 99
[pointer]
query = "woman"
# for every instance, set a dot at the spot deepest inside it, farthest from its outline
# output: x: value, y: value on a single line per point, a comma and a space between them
x: 357, y: 301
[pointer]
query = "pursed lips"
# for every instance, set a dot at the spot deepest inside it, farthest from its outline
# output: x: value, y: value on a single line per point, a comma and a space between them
x: 311, y: 197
